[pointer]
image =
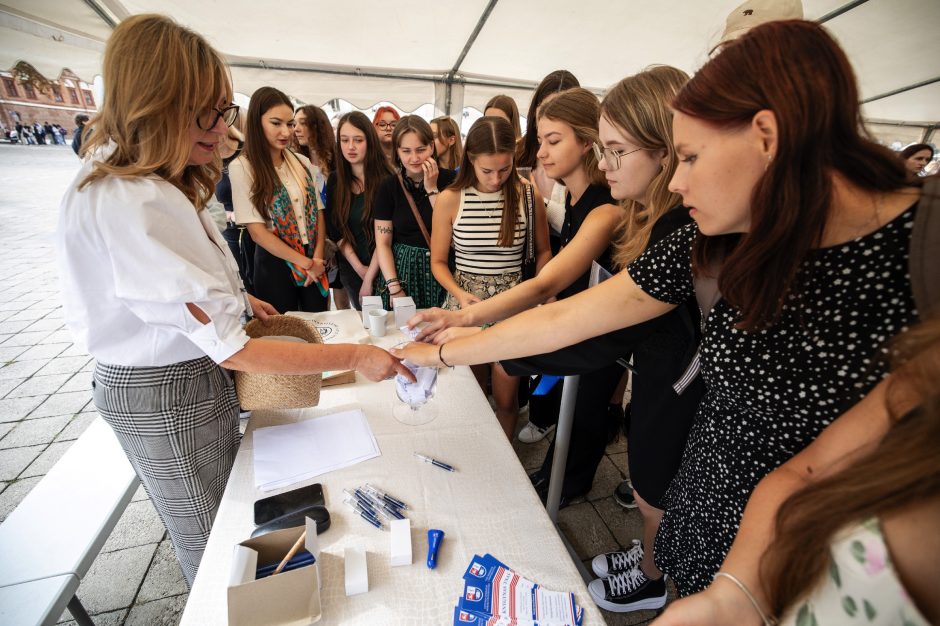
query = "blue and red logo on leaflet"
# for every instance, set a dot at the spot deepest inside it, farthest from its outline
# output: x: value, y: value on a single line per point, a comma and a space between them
x: 473, y: 593
x: 477, y: 570
x: 466, y: 616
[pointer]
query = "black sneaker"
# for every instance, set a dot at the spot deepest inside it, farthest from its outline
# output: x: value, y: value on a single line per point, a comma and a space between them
x: 611, y: 563
x: 540, y: 484
x: 623, y: 495
x: 629, y: 591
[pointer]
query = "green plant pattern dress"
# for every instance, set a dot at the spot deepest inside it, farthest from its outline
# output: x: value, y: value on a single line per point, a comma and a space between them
x: 861, y: 586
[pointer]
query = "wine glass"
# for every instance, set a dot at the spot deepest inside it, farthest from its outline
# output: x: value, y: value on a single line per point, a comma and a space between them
x: 414, y: 409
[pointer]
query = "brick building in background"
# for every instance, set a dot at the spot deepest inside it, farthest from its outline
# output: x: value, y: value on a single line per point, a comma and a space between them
x: 64, y: 98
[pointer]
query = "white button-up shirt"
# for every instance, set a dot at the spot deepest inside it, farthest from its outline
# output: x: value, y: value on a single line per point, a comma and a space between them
x: 132, y: 252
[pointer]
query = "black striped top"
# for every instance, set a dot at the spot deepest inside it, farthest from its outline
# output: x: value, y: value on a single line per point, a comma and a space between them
x: 476, y: 234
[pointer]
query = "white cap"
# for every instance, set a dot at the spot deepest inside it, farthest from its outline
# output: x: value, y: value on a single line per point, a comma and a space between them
x: 756, y: 12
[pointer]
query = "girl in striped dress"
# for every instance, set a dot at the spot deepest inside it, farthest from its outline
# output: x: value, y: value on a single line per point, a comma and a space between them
x: 483, y: 215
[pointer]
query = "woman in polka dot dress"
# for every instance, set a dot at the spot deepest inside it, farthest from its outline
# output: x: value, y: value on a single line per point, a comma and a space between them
x: 807, y: 225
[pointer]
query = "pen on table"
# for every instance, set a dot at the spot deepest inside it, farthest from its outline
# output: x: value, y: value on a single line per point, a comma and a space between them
x: 436, y: 463
x: 364, y: 515
x: 363, y: 500
x: 381, y: 506
x: 395, y: 502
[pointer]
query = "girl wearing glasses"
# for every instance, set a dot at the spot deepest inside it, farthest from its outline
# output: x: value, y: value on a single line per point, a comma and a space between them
x: 351, y: 192
x: 447, y: 142
x: 277, y: 197
x: 384, y: 121
x: 403, y: 209
x: 150, y: 287
x: 567, y: 131
x: 484, y: 217
x: 807, y: 225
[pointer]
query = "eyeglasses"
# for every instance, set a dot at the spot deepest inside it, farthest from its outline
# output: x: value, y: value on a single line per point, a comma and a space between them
x: 383, y: 125
x: 612, y: 157
x: 208, y: 119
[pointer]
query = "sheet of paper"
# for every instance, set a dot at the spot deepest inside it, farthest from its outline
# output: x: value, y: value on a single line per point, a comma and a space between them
x: 291, y: 453
x: 598, y: 274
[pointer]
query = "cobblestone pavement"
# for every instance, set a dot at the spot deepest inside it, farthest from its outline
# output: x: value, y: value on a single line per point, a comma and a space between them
x: 45, y: 405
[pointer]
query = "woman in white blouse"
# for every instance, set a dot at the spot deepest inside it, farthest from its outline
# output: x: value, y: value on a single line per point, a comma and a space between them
x: 276, y: 194
x: 150, y: 287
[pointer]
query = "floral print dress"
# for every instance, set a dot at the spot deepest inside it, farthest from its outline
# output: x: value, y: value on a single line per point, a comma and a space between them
x: 861, y: 586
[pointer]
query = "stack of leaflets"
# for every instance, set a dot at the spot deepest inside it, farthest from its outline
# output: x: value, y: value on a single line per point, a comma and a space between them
x: 494, y: 595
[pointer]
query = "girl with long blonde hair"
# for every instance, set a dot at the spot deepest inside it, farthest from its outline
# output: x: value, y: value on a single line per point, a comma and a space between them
x: 150, y: 287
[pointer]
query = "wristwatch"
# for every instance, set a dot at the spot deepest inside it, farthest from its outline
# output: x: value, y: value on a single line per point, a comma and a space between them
x: 433, y: 192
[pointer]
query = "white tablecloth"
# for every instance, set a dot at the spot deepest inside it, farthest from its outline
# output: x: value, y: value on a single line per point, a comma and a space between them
x: 488, y: 505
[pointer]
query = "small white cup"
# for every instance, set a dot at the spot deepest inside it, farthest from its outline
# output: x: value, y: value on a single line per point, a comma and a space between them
x: 377, y: 322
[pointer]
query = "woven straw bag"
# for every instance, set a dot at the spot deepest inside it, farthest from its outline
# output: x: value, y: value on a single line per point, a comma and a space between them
x: 279, y: 391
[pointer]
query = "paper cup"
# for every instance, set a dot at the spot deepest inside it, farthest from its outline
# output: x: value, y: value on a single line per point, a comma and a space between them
x: 377, y: 322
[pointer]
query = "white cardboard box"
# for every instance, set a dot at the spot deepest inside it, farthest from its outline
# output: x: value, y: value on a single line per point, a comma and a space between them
x: 400, y: 537
x: 291, y: 598
x: 357, y: 571
x: 404, y: 310
x: 368, y: 303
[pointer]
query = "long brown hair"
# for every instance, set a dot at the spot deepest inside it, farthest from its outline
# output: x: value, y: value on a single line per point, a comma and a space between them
x: 639, y: 105
x: 901, y: 470
x: 508, y: 106
x: 796, y: 70
x: 493, y: 135
x: 553, y: 83
x: 147, y: 115
x: 579, y: 109
x: 320, y: 134
x: 375, y: 169
x: 257, y: 150
x: 447, y: 128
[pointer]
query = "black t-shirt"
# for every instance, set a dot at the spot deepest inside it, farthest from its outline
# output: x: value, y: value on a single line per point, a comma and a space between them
x: 391, y: 205
x: 593, y: 197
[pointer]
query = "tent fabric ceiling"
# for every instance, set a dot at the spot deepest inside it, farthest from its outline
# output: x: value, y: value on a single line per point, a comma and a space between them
x: 891, y: 43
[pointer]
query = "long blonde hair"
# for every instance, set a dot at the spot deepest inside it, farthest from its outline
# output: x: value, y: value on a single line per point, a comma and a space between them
x: 639, y: 105
x: 447, y: 128
x: 158, y: 75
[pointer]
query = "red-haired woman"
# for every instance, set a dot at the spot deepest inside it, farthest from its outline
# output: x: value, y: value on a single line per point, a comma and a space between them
x: 807, y: 225
x: 848, y: 527
x: 384, y: 121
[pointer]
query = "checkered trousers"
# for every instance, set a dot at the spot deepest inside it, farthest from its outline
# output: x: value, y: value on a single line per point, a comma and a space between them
x: 178, y: 425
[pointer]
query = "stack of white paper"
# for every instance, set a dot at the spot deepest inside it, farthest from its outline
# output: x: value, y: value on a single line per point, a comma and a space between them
x: 292, y: 453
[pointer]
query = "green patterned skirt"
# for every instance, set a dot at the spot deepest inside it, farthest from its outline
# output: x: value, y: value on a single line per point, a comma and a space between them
x: 413, y: 265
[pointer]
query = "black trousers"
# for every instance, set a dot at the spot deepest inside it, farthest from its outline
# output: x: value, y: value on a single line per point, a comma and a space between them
x: 352, y: 283
x: 589, y: 431
x: 243, y: 249
x: 275, y: 284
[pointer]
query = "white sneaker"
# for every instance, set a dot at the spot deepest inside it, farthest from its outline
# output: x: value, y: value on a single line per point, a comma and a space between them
x: 611, y: 563
x: 531, y: 433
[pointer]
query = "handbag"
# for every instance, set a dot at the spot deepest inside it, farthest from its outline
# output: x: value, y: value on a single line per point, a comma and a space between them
x: 528, y: 261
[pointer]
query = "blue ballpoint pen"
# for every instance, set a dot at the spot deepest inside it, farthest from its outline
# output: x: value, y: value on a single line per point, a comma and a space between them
x: 364, y: 514
x: 395, y: 502
x: 379, y: 505
x: 436, y: 463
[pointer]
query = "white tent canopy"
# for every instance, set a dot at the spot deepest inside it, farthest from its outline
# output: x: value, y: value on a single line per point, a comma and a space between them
x: 457, y: 53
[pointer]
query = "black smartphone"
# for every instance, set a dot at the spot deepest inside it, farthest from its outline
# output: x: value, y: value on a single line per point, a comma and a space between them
x: 285, y: 503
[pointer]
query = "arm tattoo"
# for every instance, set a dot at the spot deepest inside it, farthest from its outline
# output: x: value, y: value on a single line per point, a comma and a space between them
x: 385, y: 230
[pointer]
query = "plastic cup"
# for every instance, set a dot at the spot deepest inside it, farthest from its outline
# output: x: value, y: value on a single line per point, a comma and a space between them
x: 378, y: 319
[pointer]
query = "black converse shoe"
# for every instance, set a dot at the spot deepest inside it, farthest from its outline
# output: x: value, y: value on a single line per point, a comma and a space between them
x: 629, y: 591
x: 611, y: 563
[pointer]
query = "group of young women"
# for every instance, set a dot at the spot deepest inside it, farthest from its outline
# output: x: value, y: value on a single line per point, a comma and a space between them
x: 751, y: 329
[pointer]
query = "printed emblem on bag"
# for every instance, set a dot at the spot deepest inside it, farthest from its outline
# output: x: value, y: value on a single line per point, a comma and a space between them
x: 327, y: 330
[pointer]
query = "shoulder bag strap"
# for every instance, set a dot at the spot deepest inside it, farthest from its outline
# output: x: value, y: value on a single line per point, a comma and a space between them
x: 530, y: 222
x: 417, y: 214
x: 925, y: 249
